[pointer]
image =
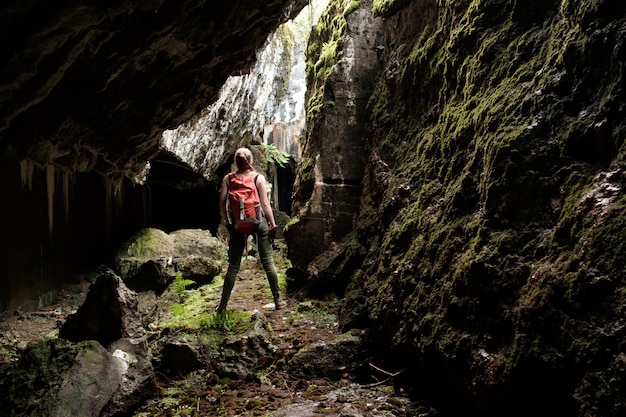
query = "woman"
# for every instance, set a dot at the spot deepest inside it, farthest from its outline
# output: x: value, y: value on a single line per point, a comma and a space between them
x: 237, y: 241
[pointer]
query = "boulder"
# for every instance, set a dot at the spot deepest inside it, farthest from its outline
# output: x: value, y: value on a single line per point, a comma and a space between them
x: 144, y: 261
x: 199, y: 269
x: 145, y: 274
x: 138, y: 382
x: 109, y: 313
x: 331, y: 270
x: 241, y: 355
x: 179, y: 357
x: 345, y: 355
x: 188, y: 242
x: 58, y: 378
x: 151, y: 258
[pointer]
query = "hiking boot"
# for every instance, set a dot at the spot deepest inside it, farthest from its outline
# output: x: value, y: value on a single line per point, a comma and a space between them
x: 278, y: 304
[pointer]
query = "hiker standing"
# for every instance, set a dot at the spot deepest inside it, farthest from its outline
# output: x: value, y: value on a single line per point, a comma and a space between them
x: 245, y: 209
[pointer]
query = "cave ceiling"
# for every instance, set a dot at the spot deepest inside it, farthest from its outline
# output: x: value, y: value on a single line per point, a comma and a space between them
x: 91, y: 85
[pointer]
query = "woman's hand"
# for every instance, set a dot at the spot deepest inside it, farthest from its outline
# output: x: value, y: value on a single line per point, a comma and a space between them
x: 271, y: 232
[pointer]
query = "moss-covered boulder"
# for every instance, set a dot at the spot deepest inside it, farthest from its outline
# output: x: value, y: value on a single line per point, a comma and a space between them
x: 151, y: 258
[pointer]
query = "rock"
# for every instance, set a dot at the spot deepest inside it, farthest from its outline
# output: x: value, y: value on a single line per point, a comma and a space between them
x: 199, y: 269
x: 188, y: 51
x: 348, y: 410
x: 331, y: 271
x: 240, y: 355
x: 346, y: 354
x: 145, y: 274
x: 150, y: 259
x: 180, y: 357
x: 138, y: 382
x: 149, y: 243
x: 327, y: 191
x: 109, y: 313
x: 58, y: 378
x: 144, y: 260
x: 61, y: 378
x: 188, y: 242
x: 155, y: 308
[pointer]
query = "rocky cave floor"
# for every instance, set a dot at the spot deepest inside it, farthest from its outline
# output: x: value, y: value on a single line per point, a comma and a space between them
x: 273, y: 390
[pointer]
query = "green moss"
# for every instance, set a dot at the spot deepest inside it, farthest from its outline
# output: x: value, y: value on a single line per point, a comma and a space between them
x: 147, y: 243
x: 311, y: 310
x: 324, y: 51
x: 351, y: 6
x: 381, y: 7
x: 192, y: 311
x: 306, y: 180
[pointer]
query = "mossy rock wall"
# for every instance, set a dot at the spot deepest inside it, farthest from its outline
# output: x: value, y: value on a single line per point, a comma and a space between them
x: 493, y: 208
x: 342, y: 66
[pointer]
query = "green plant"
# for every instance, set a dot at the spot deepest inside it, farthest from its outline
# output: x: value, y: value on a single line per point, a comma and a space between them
x: 191, y: 311
x: 311, y: 310
x: 232, y: 322
x: 180, y: 285
x: 177, y: 309
x: 275, y: 155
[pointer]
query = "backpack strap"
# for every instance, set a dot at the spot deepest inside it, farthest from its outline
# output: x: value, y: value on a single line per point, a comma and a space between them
x: 231, y: 174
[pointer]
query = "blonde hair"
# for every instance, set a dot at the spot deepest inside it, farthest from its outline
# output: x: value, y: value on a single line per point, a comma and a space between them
x: 243, y: 158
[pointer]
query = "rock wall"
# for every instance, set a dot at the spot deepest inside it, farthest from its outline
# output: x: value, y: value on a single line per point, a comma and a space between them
x: 260, y: 104
x: 56, y: 224
x: 491, y: 220
x: 342, y: 65
x: 246, y: 105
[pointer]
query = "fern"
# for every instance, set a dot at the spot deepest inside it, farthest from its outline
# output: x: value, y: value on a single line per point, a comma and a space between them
x: 180, y: 284
x: 231, y: 322
x: 273, y: 154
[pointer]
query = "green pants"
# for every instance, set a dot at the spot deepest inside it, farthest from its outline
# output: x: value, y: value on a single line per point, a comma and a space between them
x: 236, y: 246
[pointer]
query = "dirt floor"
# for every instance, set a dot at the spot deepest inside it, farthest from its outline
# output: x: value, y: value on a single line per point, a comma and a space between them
x: 272, y: 390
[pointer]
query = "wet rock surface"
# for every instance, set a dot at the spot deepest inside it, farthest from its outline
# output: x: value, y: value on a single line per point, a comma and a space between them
x: 109, y: 313
x: 492, y: 210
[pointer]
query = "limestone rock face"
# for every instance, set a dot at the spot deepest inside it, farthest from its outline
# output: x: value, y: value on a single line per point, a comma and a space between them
x: 92, y: 86
x: 270, y: 93
x: 328, y: 186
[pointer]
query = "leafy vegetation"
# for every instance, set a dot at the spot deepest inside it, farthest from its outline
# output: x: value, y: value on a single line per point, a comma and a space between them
x: 314, y: 311
x: 228, y: 322
x: 275, y: 155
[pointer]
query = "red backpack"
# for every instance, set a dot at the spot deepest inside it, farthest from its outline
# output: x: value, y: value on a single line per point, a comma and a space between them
x: 244, y: 202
